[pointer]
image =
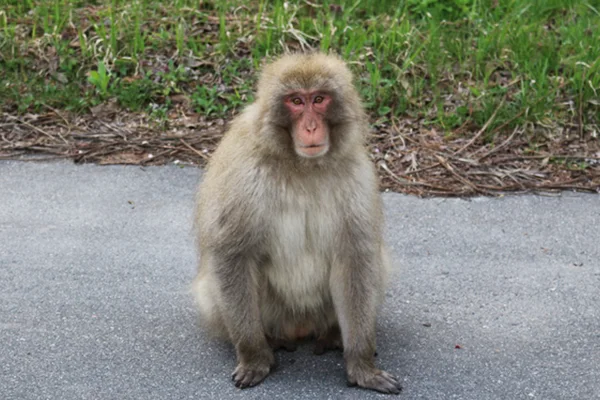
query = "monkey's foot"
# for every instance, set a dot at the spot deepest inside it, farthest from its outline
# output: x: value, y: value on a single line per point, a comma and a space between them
x: 278, y: 344
x: 251, y: 373
x: 376, y: 379
x: 330, y: 341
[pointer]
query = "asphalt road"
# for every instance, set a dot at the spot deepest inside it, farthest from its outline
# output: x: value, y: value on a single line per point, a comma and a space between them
x: 490, y: 299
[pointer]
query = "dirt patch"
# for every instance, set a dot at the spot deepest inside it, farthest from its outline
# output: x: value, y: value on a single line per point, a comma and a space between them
x: 410, y: 157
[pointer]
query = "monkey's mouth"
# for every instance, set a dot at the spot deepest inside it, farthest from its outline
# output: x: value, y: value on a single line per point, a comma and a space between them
x: 312, y: 150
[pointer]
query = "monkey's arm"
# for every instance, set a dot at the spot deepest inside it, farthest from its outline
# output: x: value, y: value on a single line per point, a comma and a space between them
x: 236, y: 274
x: 357, y: 282
x: 231, y: 234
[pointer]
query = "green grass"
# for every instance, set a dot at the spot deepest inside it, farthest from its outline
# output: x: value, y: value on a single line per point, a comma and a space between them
x: 450, y: 63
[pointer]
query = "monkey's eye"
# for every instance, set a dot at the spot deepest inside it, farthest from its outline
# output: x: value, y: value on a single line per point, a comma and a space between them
x: 297, y: 101
x: 319, y: 99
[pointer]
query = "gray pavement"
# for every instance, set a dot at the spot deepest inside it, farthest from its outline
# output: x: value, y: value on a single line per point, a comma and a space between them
x: 95, y: 264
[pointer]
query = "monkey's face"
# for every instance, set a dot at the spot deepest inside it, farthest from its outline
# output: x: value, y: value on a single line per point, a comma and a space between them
x: 310, y: 130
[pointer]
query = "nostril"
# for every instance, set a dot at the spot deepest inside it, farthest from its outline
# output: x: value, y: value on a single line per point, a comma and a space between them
x: 311, y: 125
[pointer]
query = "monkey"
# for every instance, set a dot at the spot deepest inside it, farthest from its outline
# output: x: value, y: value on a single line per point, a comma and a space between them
x: 290, y: 225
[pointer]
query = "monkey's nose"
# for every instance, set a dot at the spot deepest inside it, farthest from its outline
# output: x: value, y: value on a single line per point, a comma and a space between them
x: 311, y: 126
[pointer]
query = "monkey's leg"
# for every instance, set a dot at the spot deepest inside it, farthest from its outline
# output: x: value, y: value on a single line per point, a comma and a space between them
x: 332, y: 340
x: 355, y: 283
x: 241, y: 315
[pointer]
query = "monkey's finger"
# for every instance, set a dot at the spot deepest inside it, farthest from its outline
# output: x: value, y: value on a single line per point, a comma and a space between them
x: 236, y: 372
x: 386, y: 383
x: 244, y: 378
x: 378, y: 380
x: 395, y: 382
x: 247, y: 379
x: 238, y: 376
x: 257, y: 378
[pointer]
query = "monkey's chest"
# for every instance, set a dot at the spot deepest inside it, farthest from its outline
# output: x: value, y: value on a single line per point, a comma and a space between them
x: 302, y: 239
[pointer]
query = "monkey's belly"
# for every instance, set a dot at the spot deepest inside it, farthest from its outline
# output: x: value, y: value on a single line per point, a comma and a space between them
x: 302, y: 237
x: 302, y: 284
x: 298, y: 303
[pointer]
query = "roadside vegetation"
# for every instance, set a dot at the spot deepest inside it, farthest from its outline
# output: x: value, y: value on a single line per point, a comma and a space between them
x: 465, y: 96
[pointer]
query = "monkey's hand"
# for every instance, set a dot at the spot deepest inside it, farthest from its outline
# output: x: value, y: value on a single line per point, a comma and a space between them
x: 370, y: 377
x: 251, y: 371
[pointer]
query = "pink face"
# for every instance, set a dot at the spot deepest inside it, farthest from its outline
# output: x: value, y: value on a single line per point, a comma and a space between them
x: 309, y: 129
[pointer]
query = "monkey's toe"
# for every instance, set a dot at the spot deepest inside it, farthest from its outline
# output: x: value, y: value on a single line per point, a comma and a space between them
x: 331, y: 341
x: 248, y: 376
x: 322, y: 346
x: 279, y: 344
x: 378, y: 380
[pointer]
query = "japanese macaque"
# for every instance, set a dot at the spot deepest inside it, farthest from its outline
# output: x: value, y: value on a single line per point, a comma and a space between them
x: 290, y: 221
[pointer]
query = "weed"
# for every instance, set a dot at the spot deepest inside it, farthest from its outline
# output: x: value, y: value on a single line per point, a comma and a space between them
x: 205, y: 100
x: 100, y: 79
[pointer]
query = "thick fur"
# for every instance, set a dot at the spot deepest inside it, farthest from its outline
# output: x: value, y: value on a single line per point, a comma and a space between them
x: 291, y: 246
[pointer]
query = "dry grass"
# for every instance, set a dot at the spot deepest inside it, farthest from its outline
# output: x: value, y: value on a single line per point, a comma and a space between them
x: 410, y: 158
